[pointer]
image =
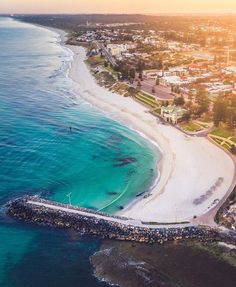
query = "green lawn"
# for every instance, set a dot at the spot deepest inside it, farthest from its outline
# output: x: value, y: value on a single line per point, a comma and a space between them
x: 224, y: 137
x: 191, y: 127
x: 233, y: 139
x: 146, y: 99
x: 221, y: 132
x: 95, y: 61
x: 145, y: 102
x: 203, y: 124
x: 157, y: 111
x: 226, y: 146
x: 111, y: 70
x: 152, y: 98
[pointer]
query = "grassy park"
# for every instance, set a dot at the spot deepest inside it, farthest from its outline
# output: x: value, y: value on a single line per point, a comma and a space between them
x: 146, y: 99
x: 224, y: 137
x: 191, y: 127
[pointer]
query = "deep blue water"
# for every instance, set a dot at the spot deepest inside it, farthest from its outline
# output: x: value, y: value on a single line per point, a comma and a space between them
x: 40, y: 155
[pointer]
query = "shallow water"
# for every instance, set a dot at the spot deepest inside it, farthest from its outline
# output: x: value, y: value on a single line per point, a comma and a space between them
x: 174, y: 264
x: 99, y: 161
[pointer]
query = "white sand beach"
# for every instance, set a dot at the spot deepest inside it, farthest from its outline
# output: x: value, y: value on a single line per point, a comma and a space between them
x: 190, y: 166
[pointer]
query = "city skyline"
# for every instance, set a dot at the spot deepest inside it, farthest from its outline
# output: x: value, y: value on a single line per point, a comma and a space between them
x: 118, y: 6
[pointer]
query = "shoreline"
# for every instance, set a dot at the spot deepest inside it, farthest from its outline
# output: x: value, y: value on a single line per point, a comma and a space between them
x: 164, y: 166
x: 61, y: 37
x: 171, y: 170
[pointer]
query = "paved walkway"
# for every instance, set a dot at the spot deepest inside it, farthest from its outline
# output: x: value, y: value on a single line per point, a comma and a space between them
x: 128, y: 222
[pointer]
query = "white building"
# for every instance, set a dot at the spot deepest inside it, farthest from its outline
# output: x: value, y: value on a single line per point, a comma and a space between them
x: 218, y: 88
x: 229, y: 70
x: 118, y: 49
x: 170, y: 80
x: 172, y: 114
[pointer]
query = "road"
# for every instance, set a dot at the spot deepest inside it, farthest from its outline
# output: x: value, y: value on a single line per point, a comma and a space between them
x: 107, y: 54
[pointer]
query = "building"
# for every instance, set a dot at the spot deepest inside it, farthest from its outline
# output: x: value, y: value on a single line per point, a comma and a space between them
x: 178, y: 71
x: 197, y: 68
x: 118, y: 49
x: 170, y: 81
x: 229, y: 70
x: 172, y: 114
x: 216, y: 89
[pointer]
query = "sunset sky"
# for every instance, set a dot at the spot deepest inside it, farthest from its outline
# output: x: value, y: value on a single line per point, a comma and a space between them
x: 117, y: 6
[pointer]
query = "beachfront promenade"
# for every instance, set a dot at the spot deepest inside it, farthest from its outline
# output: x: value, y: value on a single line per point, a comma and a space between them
x: 84, y: 221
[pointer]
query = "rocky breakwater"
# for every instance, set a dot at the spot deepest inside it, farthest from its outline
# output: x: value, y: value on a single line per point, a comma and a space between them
x: 42, y: 212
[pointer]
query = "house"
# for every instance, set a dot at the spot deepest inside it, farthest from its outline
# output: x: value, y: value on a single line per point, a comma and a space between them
x: 170, y: 80
x: 178, y: 71
x: 229, y: 70
x: 217, y: 89
x: 197, y: 68
x: 172, y: 114
x: 173, y: 46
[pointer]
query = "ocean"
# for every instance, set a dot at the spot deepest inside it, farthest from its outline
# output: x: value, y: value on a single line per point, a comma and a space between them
x: 54, y: 144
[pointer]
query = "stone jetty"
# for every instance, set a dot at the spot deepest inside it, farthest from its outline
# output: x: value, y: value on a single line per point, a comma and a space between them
x: 35, y: 210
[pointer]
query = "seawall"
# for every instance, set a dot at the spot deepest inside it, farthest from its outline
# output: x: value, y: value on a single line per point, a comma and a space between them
x: 42, y: 212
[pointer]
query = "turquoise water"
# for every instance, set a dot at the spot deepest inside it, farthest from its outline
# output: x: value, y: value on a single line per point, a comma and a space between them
x: 100, y: 162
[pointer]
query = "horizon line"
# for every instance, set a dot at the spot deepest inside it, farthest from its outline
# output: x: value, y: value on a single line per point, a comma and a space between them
x: 117, y: 13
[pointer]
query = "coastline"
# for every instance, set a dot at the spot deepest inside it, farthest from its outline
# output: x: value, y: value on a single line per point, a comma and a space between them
x: 45, y: 161
x: 118, y: 113
x: 184, y: 158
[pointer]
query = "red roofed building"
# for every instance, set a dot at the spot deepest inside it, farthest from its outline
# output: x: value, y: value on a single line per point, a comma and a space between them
x: 197, y: 68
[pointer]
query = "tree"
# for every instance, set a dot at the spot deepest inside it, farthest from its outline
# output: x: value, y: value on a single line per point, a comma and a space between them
x: 124, y: 72
x: 159, y: 64
x: 177, y: 90
x: 140, y: 66
x: 139, y: 85
x: 233, y: 149
x: 186, y: 117
x: 131, y: 80
x: 225, y: 111
x: 179, y: 101
x: 166, y: 67
x: 203, y: 101
x: 219, y: 112
x: 191, y: 95
x: 132, y: 73
x: 231, y: 116
x: 132, y: 91
x: 140, y: 76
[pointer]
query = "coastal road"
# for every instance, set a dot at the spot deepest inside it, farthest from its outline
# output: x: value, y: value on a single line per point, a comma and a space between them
x: 107, y: 54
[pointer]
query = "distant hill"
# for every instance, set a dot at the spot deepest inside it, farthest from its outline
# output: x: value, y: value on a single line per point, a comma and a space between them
x: 155, y: 22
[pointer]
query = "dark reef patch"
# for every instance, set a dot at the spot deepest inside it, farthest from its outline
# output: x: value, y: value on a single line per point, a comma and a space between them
x: 124, y: 161
x: 177, y: 264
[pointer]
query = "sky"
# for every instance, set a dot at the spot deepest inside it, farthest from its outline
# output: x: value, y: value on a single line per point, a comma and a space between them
x: 117, y: 6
